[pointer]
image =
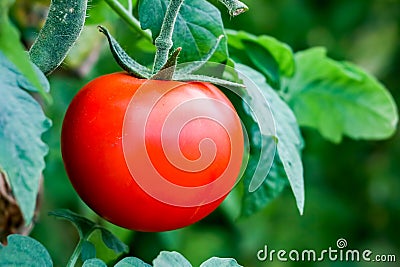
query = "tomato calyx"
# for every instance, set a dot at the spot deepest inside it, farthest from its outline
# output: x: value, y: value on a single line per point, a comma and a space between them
x: 165, y: 62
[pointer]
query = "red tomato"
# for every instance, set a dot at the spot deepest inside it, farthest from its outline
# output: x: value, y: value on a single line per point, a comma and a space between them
x: 151, y: 155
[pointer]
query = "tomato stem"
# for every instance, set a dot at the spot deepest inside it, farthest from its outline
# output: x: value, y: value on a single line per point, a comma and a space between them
x: 66, y: 19
x: 164, y: 41
x: 126, y: 15
x: 75, y: 255
x: 235, y: 7
x: 168, y: 70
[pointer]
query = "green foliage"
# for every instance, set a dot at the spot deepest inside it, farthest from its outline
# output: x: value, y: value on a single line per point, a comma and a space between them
x: 218, y: 262
x: 354, y: 103
x: 354, y: 195
x: 289, y: 140
x: 24, y: 251
x: 131, y: 261
x: 86, y: 227
x: 12, y: 49
x: 94, y: 263
x: 197, y: 28
x: 171, y: 259
x: 270, y: 56
x: 22, y: 123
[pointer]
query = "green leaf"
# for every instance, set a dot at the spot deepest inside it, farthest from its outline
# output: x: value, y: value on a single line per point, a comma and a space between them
x: 338, y: 98
x: 170, y: 259
x: 24, y: 251
x: 288, y: 134
x: 88, y: 251
x: 22, y: 123
x: 268, y: 55
x: 271, y: 188
x: 86, y: 227
x: 112, y: 242
x: 197, y: 27
x: 11, y: 47
x: 131, y: 261
x: 220, y: 262
x: 94, y: 263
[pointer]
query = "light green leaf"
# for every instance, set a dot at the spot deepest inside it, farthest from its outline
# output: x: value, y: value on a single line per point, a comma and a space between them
x: 24, y: 251
x: 13, y: 50
x: 22, y: 123
x: 268, y: 55
x: 94, y: 263
x: 338, y: 98
x: 130, y: 262
x: 197, y: 27
x: 170, y: 259
x: 288, y: 134
x: 220, y: 262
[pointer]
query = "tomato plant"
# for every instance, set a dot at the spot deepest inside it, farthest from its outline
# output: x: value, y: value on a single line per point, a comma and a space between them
x: 201, y: 117
x: 93, y: 150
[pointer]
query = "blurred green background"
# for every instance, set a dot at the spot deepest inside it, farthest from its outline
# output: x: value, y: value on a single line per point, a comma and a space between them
x: 352, y: 189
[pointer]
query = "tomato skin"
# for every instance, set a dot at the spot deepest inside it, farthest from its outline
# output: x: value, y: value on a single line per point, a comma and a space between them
x: 92, y: 150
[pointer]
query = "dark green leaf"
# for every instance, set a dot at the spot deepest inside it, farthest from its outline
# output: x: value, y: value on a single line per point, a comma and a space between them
x: 112, y: 242
x: 130, y: 262
x: 24, y: 251
x: 88, y: 251
x: 271, y: 188
x: 338, y: 98
x: 197, y: 28
x: 94, y: 263
x: 22, y: 123
x: 170, y: 259
x: 288, y: 134
x: 84, y: 226
x: 13, y: 50
x: 220, y: 262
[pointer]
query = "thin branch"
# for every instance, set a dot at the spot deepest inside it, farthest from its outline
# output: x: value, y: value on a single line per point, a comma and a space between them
x: 129, y: 18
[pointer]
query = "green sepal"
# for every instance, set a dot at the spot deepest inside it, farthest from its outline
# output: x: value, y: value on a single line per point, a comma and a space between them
x: 123, y: 59
x: 235, y: 7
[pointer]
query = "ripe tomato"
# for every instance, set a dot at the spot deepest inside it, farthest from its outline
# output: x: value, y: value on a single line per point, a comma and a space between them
x: 151, y: 155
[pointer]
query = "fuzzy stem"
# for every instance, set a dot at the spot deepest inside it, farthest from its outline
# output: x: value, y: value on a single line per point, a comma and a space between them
x: 128, y: 18
x: 164, y: 41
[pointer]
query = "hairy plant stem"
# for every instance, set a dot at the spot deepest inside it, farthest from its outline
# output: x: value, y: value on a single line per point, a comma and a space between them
x: 127, y: 16
x: 164, y: 41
